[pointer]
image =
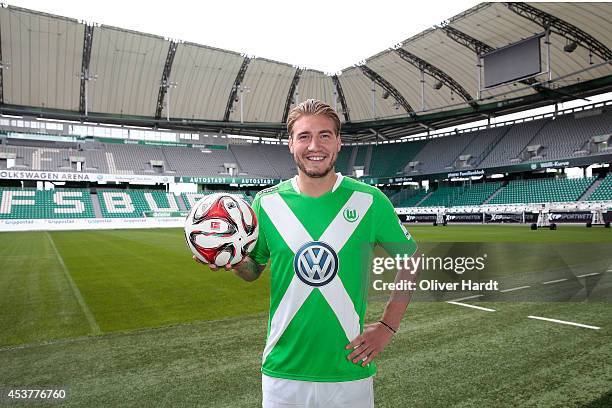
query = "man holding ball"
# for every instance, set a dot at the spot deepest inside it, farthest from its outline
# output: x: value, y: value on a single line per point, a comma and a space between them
x: 314, y: 229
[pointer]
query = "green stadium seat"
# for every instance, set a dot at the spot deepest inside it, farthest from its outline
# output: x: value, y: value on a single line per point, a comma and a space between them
x: 191, y: 198
x: 542, y: 191
x: 30, y: 203
x: 603, y: 191
x: 132, y: 203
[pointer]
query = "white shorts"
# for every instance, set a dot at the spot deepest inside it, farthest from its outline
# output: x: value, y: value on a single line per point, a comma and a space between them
x: 282, y: 393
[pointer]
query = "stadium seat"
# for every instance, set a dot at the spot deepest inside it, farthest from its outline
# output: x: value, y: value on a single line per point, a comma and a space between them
x: 29, y: 203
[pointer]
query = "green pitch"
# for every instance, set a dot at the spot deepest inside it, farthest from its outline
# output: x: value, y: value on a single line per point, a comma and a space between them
x: 127, y: 318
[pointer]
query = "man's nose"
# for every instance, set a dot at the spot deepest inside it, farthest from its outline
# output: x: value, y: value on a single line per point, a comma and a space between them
x: 314, y: 144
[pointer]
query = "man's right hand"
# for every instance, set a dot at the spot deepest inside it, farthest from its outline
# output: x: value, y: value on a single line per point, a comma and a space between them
x: 246, y: 269
x: 214, y: 267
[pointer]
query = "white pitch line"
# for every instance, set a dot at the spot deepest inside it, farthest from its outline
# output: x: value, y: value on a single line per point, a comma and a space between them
x: 513, y: 289
x: 486, y: 309
x: 554, y: 281
x: 75, y: 290
x: 565, y: 322
x: 466, y: 298
x: 588, y: 274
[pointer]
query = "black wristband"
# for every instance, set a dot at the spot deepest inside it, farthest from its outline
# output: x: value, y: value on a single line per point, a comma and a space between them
x: 388, y: 327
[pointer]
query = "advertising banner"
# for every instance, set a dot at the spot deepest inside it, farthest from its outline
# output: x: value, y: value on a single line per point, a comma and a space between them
x: 464, y: 217
x: 417, y: 217
x: 84, y: 177
x: 575, y: 216
x: 228, y: 180
x: 504, y: 218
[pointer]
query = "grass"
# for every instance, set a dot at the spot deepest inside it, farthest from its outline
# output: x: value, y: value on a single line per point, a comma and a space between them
x: 154, y: 328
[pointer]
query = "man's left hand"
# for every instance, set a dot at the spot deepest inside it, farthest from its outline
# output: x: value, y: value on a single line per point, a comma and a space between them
x: 368, y: 344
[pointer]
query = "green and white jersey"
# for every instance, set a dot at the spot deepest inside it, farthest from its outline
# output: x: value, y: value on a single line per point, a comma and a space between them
x: 318, y: 293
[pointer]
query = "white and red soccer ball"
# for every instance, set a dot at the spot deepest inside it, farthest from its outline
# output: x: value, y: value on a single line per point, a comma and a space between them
x: 221, y: 229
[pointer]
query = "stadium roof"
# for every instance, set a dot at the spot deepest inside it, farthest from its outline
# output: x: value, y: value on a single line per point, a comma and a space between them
x: 51, y: 65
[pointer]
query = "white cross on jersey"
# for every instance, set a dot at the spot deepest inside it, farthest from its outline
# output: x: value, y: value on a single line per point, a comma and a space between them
x: 295, y: 236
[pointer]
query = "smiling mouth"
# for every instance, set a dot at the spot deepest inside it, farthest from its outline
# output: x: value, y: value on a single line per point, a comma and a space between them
x: 315, y: 158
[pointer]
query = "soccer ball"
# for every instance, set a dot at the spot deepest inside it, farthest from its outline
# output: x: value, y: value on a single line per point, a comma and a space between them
x: 221, y: 229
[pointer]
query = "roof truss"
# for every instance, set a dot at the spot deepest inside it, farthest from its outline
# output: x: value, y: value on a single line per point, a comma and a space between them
x: 480, y: 48
x: 291, y: 93
x: 435, y: 73
x: 561, y: 27
x: 234, y: 91
x: 383, y: 83
x: 87, y: 42
x: 165, y: 79
x: 340, y: 95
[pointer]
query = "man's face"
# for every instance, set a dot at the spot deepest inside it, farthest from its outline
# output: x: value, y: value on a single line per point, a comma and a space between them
x: 314, y: 145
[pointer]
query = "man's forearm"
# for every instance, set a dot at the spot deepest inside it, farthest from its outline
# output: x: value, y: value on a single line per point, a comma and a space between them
x: 394, y: 312
x: 399, y: 300
x: 248, y: 269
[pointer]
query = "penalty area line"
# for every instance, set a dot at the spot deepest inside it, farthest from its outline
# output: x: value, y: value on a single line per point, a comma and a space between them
x: 486, y: 309
x: 586, y: 326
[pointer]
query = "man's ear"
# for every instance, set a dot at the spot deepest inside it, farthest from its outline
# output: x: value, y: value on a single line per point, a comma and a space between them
x: 339, y: 143
x: 290, y: 144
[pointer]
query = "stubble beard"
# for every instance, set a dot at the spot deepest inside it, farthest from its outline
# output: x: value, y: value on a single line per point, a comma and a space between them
x: 317, y: 174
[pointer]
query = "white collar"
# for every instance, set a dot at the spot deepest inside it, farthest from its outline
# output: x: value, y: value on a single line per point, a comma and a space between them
x: 339, y: 178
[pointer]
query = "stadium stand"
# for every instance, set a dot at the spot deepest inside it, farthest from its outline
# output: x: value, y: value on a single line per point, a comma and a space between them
x: 515, y: 192
x: 476, y: 194
x: 250, y: 160
x: 438, y: 154
x: 443, y: 196
x: 132, y: 203
x: 191, y: 198
x: 95, y: 161
x: 132, y: 159
x: 390, y: 159
x: 362, y: 155
x: 198, y: 162
x: 280, y: 159
x: 344, y: 156
x: 414, y: 197
x: 480, y: 147
x: 604, y: 190
x: 29, y: 203
x: 568, y: 135
x: 542, y: 191
x: 513, y: 143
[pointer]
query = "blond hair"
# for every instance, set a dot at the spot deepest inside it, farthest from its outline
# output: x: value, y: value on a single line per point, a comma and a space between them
x: 312, y: 107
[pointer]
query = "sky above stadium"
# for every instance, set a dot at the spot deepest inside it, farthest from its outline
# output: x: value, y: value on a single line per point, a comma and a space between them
x: 321, y: 34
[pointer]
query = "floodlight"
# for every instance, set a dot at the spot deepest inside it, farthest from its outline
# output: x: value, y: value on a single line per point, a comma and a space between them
x: 570, y: 47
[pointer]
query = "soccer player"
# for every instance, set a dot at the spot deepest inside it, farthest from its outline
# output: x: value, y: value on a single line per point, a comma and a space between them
x: 314, y: 229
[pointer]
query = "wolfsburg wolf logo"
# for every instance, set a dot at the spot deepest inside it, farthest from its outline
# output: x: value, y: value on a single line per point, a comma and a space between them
x: 316, y: 263
x: 350, y: 214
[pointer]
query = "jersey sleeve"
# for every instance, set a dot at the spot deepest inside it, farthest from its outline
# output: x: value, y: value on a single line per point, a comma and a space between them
x: 261, y: 253
x: 390, y: 232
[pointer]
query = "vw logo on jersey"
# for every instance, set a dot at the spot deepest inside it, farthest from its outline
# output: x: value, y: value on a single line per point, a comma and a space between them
x: 316, y: 263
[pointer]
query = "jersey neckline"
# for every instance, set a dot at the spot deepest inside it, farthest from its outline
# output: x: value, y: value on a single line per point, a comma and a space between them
x: 296, y: 188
